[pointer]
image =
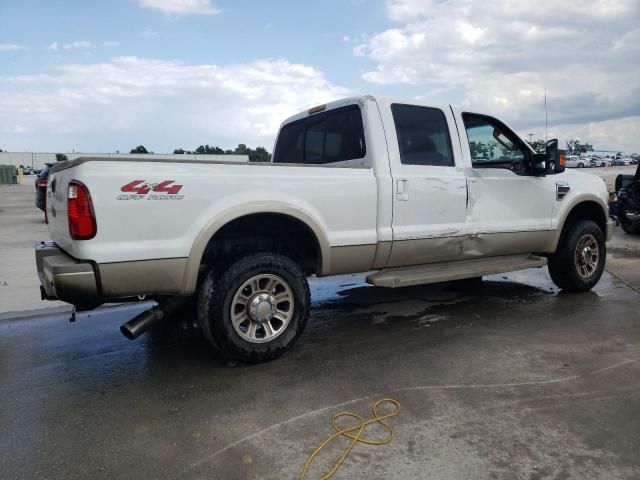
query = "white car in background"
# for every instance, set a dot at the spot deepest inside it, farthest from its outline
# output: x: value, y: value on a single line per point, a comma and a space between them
x: 621, y: 162
x: 598, y: 162
x: 577, y: 162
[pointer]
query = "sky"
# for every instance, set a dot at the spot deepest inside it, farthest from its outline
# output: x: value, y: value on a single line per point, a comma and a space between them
x: 106, y: 76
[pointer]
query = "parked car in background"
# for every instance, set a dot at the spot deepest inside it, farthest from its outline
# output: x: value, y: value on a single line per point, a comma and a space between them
x: 620, y: 162
x: 41, y: 187
x: 598, y: 162
x: 628, y: 187
x: 577, y: 162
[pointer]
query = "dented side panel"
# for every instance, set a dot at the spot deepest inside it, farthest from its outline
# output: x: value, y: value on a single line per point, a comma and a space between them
x: 429, y: 202
x: 501, y: 201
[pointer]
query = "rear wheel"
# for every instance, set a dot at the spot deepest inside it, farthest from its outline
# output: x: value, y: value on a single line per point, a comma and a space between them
x: 579, y: 260
x: 256, y: 309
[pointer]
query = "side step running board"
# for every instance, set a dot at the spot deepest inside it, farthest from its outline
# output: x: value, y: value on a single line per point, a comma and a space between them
x: 457, y: 270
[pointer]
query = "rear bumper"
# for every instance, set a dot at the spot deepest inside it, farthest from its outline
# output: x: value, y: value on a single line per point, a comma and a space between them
x: 62, y: 277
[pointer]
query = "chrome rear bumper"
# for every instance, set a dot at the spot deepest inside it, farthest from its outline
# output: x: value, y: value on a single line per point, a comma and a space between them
x: 62, y: 277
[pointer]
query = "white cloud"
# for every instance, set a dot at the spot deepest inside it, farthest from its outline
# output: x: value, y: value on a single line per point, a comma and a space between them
x: 163, y: 104
x: 500, y: 57
x: 11, y: 47
x: 148, y: 33
x: 181, y: 7
x: 618, y: 134
x: 81, y: 45
x: 78, y: 45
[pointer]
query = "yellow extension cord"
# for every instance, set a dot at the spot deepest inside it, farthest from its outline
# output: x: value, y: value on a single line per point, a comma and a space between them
x: 357, y: 437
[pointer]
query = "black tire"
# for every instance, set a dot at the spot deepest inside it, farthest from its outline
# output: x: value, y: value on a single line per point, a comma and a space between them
x: 631, y: 227
x: 217, y: 294
x: 565, y: 266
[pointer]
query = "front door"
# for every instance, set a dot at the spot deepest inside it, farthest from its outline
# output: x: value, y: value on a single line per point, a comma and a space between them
x: 430, y: 189
x: 509, y: 209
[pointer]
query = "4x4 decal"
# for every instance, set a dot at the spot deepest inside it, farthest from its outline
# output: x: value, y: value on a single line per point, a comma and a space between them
x: 141, y: 189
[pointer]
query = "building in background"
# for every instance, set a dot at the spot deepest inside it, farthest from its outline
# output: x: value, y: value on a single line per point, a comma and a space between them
x: 37, y: 160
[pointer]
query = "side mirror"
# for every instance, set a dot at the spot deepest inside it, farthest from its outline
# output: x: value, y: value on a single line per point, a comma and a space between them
x: 555, y: 158
x: 539, y: 165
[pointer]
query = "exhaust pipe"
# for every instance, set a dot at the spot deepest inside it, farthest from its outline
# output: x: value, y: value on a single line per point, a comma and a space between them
x: 147, y: 319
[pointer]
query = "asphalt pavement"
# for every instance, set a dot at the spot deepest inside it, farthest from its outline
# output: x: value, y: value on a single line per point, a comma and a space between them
x: 509, y: 378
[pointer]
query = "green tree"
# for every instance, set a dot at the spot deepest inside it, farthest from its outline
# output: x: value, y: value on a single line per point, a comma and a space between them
x: 242, y: 149
x: 482, y: 149
x: 576, y: 147
x: 178, y: 151
x: 539, y: 146
x: 61, y: 157
x: 139, y: 149
x: 209, y: 150
x: 260, y: 154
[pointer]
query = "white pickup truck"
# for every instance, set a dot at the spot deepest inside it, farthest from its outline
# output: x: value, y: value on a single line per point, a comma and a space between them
x: 413, y: 193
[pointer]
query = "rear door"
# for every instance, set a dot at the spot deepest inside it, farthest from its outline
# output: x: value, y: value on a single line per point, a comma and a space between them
x: 429, y: 185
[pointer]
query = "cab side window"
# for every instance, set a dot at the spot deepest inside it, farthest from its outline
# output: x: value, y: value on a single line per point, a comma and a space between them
x: 423, y: 136
x: 493, y: 146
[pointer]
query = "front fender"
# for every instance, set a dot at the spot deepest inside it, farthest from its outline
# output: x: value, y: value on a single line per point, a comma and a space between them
x: 571, y: 205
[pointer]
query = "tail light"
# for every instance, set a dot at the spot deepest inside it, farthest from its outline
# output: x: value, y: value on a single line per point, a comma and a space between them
x: 82, y: 219
x: 44, y: 182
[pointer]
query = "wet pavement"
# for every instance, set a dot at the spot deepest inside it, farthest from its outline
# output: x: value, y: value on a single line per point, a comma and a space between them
x: 508, y: 378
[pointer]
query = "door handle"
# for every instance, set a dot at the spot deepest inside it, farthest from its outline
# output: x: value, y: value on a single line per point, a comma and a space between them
x: 401, y: 190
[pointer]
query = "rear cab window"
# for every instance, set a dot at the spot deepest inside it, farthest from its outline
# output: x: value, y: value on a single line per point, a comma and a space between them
x: 332, y: 137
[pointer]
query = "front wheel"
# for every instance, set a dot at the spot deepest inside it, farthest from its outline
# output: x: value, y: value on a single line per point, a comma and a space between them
x: 578, y: 262
x: 256, y: 309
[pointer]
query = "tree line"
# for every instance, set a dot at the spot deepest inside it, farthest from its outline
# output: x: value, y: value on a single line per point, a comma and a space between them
x: 259, y: 154
x: 573, y: 147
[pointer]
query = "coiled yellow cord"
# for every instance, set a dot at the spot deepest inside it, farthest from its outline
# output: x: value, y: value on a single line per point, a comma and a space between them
x: 355, y: 437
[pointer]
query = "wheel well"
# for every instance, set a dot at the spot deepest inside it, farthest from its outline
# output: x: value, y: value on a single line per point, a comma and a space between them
x: 588, y: 210
x: 266, y: 232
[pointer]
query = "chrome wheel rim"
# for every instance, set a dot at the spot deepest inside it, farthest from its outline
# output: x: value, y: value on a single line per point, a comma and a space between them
x: 262, y: 308
x: 587, y: 256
